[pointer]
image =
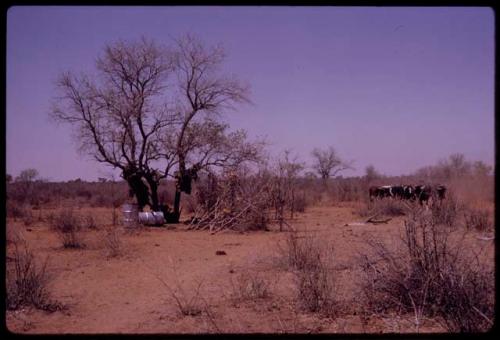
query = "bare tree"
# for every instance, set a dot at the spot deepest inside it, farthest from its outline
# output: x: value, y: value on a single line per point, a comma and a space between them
x: 24, y: 185
x: 327, y: 163
x: 200, y: 141
x: 28, y: 175
x: 118, y: 116
x: 153, y: 113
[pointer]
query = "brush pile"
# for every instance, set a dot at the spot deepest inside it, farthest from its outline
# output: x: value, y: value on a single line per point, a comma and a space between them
x: 232, y: 201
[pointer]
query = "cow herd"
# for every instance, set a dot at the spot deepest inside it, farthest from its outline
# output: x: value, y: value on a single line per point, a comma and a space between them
x: 422, y: 193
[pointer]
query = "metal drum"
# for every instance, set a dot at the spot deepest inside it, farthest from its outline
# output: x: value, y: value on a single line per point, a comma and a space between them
x: 130, y: 212
x: 152, y: 218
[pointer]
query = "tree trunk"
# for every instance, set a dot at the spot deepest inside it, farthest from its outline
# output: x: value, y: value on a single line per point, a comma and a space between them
x: 177, y: 204
x: 153, y: 186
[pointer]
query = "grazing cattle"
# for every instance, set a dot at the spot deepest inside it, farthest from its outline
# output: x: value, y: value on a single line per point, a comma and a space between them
x: 398, y: 191
x: 380, y: 192
x: 409, y: 192
x: 441, y: 192
x: 423, y: 193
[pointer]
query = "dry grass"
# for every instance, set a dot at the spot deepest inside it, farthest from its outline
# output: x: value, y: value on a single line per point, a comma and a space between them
x: 387, y: 207
x: 478, y: 219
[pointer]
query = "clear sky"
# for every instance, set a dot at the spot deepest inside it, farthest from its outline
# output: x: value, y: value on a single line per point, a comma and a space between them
x: 398, y: 88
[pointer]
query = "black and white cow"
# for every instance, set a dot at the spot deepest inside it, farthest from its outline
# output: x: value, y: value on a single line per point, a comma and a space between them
x: 423, y: 193
x: 380, y: 192
x: 398, y: 191
x: 409, y: 192
x: 441, y: 192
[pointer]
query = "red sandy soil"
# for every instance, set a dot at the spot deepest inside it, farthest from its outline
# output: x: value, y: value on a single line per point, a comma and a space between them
x: 124, y: 294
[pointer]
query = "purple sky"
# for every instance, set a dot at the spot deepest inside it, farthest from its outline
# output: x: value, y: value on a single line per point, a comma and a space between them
x: 398, y: 88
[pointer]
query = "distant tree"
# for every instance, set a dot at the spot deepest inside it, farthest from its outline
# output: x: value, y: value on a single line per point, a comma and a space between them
x: 284, y: 185
x: 28, y: 175
x: 371, y: 174
x: 327, y: 163
x: 25, y: 182
x: 481, y: 169
x: 8, y: 178
x: 458, y: 164
x: 310, y: 175
x: 102, y: 180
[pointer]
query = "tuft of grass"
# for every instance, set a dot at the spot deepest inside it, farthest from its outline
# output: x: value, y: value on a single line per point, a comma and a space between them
x: 249, y: 287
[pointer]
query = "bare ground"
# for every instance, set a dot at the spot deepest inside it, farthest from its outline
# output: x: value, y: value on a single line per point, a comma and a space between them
x: 125, y: 294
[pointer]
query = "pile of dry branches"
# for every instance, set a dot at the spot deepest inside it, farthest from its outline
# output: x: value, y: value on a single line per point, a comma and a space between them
x: 232, y: 201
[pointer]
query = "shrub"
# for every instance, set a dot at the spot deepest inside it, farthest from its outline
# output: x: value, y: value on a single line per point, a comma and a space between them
x: 430, y: 277
x: 316, y: 290
x: 112, y: 242
x: 300, y: 203
x: 17, y: 210
x: 13, y: 234
x: 68, y: 228
x: 310, y: 261
x: 477, y: 219
x: 300, y: 251
x: 27, y: 282
x: 446, y: 212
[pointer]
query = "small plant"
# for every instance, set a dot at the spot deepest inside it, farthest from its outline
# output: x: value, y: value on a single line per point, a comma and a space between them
x: 309, y: 259
x: 300, y: 252
x: 249, y: 287
x: 27, y: 282
x: 68, y: 227
x: 112, y: 242
x: 316, y: 289
x: 89, y: 222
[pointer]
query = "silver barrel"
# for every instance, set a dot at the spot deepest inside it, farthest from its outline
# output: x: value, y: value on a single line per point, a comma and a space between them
x: 130, y: 212
x: 152, y: 218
